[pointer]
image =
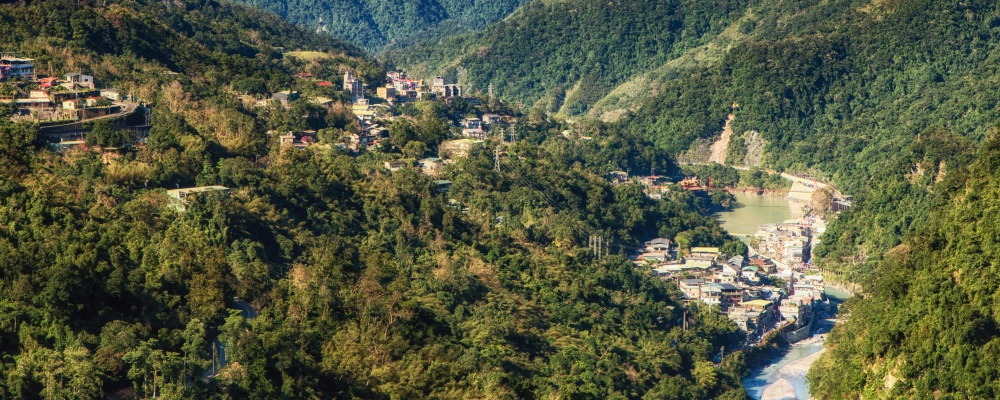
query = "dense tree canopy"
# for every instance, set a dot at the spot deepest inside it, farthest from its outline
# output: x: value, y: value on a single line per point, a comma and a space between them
x: 927, y: 324
x: 364, y: 283
x: 374, y: 24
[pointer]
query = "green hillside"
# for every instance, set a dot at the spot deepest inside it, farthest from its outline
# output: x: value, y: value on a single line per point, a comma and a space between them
x: 855, y: 92
x: 374, y: 24
x: 569, y: 54
x: 353, y: 282
x: 927, y: 326
x: 888, y: 100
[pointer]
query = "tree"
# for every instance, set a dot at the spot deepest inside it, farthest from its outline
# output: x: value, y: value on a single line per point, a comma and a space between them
x: 194, y: 348
x: 734, y: 248
x: 704, y: 373
x: 15, y: 146
x: 102, y: 133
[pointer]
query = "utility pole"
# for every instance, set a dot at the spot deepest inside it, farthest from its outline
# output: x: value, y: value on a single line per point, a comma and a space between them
x: 490, y: 91
x: 496, y: 158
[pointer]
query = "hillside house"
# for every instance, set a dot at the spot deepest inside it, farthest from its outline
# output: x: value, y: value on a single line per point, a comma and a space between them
x: 704, y: 253
x: 17, y: 67
x: 691, y: 287
x: 364, y: 111
x: 711, y: 294
x: 442, y: 186
x: 396, y: 165
x: 440, y: 88
x: 750, y: 274
x: 618, y: 177
x: 473, y: 128
x: 285, y: 96
x: 353, y: 86
x: 298, y: 139
x: 111, y: 94
x: 754, y: 316
x: 491, y: 119
x: 74, y: 80
x: 46, y: 83
x: 659, y: 244
x: 386, y: 92
x: 321, y: 101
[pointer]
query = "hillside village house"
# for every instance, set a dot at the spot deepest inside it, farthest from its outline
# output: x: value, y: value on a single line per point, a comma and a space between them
x: 439, y: 87
x: 111, y: 94
x: 403, y: 88
x: 704, y: 254
x: 473, y: 128
x: 396, y: 165
x: 12, y: 66
x: 285, y: 96
x: 298, y: 139
x: 46, y: 83
x: 75, y: 80
x: 364, y: 111
x: 691, y: 288
x: 386, y: 92
x: 354, y: 86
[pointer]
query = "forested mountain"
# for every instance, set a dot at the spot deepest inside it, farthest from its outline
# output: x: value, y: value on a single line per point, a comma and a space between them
x: 374, y: 24
x: 877, y: 97
x: 887, y: 100
x: 927, y: 326
x: 569, y: 54
x: 364, y: 283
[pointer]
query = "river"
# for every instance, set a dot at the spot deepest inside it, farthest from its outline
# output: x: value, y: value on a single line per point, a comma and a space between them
x: 752, y: 210
x: 786, y: 375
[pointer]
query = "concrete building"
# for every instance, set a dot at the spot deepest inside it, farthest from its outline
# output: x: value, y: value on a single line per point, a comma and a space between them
x: 17, y: 67
x: 439, y: 87
x: 354, y: 86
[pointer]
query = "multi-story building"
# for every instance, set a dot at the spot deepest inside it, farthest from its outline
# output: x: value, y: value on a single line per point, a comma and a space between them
x: 354, y: 86
x: 12, y: 66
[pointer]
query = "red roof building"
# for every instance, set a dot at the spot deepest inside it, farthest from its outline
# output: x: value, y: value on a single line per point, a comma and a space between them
x: 46, y: 83
x: 324, y: 84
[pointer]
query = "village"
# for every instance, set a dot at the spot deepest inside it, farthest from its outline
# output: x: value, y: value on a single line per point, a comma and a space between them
x: 755, y: 292
x: 64, y: 106
x: 774, y: 289
x: 72, y: 97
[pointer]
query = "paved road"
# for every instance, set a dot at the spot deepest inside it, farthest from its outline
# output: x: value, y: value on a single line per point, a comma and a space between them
x: 127, y: 108
x: 248, y: 311
x: 221, y: 358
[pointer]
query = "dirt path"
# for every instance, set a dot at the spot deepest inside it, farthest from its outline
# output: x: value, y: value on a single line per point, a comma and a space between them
x: 720, y: 148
